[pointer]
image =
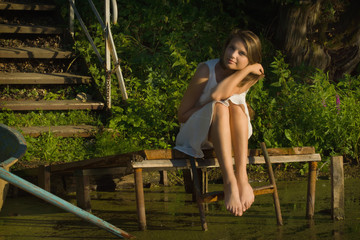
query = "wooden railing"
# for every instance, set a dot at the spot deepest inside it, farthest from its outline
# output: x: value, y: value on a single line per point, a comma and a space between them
x: 110, y: 50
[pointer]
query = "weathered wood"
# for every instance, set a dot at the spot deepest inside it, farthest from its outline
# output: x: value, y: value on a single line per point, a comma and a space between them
x: 62, y: 131
x: 82, y: 190
x: 31, y: 52
x: 26, y: 6
x: 122, y: 160
x: 337, y: 188
x: 23, y: 29
x: 197, y: 192
x: 164, y: 178
x: 310, y: 206
x: 44, y: 177
x: 273, y: 183
x: 140, y: 200
x: 156, y: 154
x: 30, y: 105
x: 210, y: 163
x: 43, y: 78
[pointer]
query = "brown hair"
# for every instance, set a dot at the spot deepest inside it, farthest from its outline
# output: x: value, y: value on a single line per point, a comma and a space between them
x: 252, y: 45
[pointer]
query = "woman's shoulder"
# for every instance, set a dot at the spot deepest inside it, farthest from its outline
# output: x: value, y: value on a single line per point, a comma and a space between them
x: 203, y: 68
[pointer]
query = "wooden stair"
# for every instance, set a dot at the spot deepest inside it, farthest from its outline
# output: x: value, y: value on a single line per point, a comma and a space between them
x: 36, y: 53
x: 61, y: 131
x: 43, y: 78
x: 29, y: 105
x: 25, y: 29
x: 23, y: 53
x: 27, y: 6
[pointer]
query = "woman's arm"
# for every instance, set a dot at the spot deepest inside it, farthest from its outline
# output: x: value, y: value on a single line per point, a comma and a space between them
x: 189, y: 103
x: 227, y: 87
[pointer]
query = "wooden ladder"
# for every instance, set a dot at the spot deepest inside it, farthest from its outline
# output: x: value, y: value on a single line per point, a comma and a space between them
x: 21, y: 53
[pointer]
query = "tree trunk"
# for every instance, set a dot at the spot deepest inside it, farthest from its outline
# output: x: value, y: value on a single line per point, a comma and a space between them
x: 322, y: 33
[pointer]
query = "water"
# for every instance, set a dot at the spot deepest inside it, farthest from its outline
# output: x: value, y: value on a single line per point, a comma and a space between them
x: 172, y: 215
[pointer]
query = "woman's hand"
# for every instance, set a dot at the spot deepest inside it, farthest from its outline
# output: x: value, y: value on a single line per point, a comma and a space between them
x: 255, y: 68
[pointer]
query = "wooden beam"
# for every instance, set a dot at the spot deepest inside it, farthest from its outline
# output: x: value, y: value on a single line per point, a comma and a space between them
x: 27, y: 6
x: 31, y: 105
x: 61, y: 131
x: 23, y: 29
x: 210, y: 163
x: 43, y: 78
x: 156, y: 154
x: 31, y: 52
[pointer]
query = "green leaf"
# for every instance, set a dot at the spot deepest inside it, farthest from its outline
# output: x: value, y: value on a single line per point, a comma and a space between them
x: 288, y: 134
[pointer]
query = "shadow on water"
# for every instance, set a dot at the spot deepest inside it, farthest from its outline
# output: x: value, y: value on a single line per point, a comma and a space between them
x: 172, y: 215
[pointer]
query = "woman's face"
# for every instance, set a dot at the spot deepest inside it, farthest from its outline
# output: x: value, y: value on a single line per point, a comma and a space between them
x: 235, y: 55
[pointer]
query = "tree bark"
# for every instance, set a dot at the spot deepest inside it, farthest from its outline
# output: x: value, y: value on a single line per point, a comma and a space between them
x: 324, y: 34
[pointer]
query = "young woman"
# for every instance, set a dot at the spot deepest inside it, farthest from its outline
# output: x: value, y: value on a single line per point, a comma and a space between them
x: 213, y: 113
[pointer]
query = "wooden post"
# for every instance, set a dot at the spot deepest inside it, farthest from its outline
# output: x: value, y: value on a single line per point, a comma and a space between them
x: 204, y: 181
x: 197, y: 191
x: 337, y: 188
x: 310, y: 206
x: 273, y: 182
x: 44, y: 177
x: 188, y: 184
x: 164, y: 178
x: 140, y: 200
x: 83, y: 199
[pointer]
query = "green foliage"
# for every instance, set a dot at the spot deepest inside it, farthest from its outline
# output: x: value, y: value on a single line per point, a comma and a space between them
x: 49, y: 118
x: 160, y: 44
x: 322, y: 114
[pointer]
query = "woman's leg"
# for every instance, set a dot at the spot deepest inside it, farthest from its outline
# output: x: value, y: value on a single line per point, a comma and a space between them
x: 239, y: 136
x: 220, y: 136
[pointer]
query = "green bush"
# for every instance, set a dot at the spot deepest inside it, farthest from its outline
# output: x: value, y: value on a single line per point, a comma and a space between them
x: 321, y: 114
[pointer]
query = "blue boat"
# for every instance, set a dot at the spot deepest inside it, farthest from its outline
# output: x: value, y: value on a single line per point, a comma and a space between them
x: 12, y: 148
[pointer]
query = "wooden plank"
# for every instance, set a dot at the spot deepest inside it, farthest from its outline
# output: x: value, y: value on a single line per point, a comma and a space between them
x: 43, y: 78
x: 212, y: 162
x: 210, y: 153
x: 61, y: 131
x: 44, y: 177
x: 30, y: 105
x: 122, y: 160
x: 83, y: 200
x: 25, y: 29
x: 26, y: 6
x: 337, y: 188
x: 31, y: 52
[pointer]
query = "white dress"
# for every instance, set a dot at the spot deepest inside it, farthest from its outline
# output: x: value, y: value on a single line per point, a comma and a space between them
x: 193, y: 134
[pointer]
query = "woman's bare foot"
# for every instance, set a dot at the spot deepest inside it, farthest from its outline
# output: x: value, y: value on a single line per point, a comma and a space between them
x: 232, y: 199
x: 246, y: 194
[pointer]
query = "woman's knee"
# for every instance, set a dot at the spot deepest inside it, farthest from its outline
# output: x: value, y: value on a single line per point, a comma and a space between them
x: 237, y: 109
x: 220, y: 109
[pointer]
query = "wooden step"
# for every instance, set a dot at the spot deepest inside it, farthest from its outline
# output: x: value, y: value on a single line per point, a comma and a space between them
x: 43, y: 78
x: 62, y: 131
x: 30, y: 52
x: 24, y: 29
x: 27, y: 6
x: 29, y: 105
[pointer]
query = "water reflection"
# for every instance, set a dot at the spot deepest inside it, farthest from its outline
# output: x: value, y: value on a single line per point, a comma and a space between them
x: 171, y: 214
